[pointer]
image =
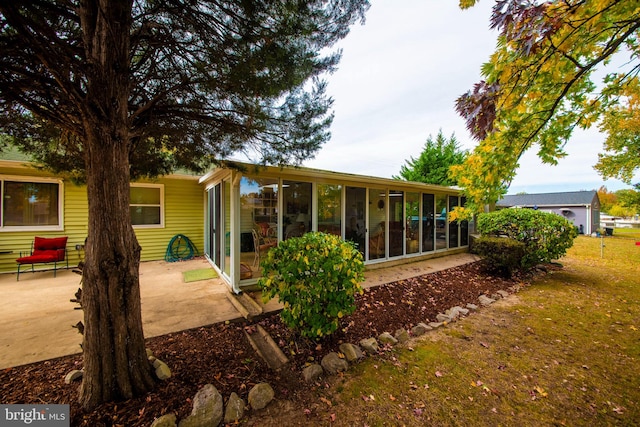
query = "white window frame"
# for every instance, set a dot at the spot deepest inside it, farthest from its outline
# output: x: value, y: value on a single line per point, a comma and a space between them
x: 161, y: 206
x: 29, y: 228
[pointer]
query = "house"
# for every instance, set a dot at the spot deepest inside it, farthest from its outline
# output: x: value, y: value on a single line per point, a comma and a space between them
x: 582, y: 208
x: 36, y: 203
x: 234, y: 215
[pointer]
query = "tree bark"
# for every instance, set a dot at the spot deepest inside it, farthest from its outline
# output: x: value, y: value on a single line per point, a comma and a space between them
x: 115, y: 361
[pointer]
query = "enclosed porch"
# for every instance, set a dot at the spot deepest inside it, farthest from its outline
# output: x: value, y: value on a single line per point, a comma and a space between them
x: 250, y: 209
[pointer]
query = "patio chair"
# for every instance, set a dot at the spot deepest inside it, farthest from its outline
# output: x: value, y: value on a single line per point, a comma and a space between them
x: 260, y: 244
x: 45, y: 251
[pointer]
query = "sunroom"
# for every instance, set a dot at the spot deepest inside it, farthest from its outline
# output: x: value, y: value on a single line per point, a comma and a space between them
x: 249, y: 209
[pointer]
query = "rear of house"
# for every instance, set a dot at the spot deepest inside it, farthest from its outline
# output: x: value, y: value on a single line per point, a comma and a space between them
x: 37, y: 203
x: 235, y: 215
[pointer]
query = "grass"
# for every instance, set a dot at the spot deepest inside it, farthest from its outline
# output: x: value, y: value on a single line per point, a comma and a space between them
x: 627, y: 232
x: 564, y: 351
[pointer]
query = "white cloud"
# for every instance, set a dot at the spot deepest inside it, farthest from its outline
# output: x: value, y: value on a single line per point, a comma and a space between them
x: 397, y: 84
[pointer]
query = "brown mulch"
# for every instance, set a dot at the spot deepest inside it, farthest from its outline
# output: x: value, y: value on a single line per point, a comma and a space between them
x: 221, y: 355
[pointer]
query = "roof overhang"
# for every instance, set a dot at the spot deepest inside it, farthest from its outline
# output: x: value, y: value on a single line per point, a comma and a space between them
x: 300, y: 172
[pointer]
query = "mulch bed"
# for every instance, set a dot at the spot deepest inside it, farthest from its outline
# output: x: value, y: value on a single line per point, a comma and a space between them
x: 221, y: 355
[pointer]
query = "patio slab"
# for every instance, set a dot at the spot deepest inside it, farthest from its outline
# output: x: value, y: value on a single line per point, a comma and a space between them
x: 36, y: 316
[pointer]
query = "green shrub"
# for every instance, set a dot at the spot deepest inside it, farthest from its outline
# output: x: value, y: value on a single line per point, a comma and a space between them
x: 316, y: 277
x: 501, y: 255
x: 546, y: 236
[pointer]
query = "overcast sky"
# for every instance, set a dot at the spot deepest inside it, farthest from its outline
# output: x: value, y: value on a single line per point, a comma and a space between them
x: 397, y: 83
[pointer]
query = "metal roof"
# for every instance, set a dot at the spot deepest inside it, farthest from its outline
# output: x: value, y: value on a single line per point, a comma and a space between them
x: 569, y: 198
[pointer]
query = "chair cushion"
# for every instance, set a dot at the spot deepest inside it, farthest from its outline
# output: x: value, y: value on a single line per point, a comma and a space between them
x: 41, y: 256
x: 48, y: 243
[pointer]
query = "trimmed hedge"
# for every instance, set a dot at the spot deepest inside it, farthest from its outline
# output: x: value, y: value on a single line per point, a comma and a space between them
x: 502, y: 255
x: 546, y: 236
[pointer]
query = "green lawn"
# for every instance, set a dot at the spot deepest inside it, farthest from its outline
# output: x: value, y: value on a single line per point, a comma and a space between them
x: 564, y: 351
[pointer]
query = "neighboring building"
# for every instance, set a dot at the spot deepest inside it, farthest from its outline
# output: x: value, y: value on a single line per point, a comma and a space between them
x: 234, y: 217
x: 580, y: 207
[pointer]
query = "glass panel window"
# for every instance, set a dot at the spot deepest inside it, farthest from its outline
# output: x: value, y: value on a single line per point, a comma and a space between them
x: 356, y: 199
x: 453, y: 225
x: 258, y: 221
x: 330, y: 209
x: 441, y: 221
x: 464, y: 226
x: 377, y: 223
x: 296, y: 217
x: 412, y: 208
x: 145, y: 205
x: 428, y: 223
x: 396, y: 223
x: 30, y: 204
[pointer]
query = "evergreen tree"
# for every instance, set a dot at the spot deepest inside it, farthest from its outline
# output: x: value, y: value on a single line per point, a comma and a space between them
x: 435, y: 161
x: 113, y: 90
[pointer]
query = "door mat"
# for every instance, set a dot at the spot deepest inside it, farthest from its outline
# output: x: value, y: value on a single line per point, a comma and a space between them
x: 200, y: 274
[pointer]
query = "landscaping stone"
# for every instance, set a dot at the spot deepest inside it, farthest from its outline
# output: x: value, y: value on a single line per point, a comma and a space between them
x: 312, y: 372
x: 351, y: 352
x: 260, y: 396
x: 496, y: 296
x: 401, y: 335
x: 472, y: 306
x: 332, y: 363
x: 234, y: 410
x: 387, y: 338
x: 456, y: 312
x: 370, y: 345
x: 167, y: 420
x: 207, y: 409
x: 485, y: 300
x: 76, y: 374
x: 502, y: 293
x: 443, y: 318
x: 435, y: 325
x: 162, y: 370
x: 420, y: 329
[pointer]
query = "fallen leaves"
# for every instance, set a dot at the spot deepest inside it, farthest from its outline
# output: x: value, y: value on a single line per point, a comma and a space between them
x: 326, y: 401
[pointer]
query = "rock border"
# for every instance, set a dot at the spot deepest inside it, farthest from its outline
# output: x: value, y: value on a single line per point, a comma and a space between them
x: 208, y: 405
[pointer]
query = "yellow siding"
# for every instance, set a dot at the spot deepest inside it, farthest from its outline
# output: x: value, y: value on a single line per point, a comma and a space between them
x: 183, y: 214
x: 183, y: 208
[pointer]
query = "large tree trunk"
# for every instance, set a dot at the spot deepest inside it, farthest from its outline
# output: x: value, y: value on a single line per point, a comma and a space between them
x: 115, y: 362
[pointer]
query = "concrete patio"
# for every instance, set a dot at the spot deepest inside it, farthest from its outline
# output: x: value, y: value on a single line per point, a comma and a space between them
x: 37, y: 316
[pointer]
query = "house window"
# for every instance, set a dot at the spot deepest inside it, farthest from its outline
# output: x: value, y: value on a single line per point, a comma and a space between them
x: 30, y: 204
x: 146, y: 205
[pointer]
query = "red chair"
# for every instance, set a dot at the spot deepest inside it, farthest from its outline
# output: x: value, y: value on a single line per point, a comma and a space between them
x: 44, y: 251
